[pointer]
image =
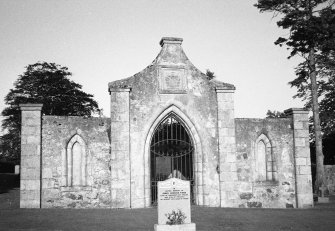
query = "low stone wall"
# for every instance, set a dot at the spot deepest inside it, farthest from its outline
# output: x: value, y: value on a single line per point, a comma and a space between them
x: 330, y: 176
x: 66, y: 140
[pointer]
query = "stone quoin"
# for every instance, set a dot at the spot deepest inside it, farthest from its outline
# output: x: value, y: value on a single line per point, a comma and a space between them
x: 166, y: 121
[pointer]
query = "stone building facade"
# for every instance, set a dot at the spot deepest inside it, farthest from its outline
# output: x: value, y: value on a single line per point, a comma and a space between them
x: 166, y: 121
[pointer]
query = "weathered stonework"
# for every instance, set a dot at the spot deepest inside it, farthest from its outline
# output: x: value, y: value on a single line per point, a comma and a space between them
x: 194, y: 103
x: 227, y: 147
x: 108, y: 162
x: 30, y: 182
x: 302, y: 161
x: 280, y: 191
x: 120, y: 155
x: 57, y: 133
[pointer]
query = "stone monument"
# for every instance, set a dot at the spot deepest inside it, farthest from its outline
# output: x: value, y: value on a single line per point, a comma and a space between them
x: 174, y: 206
x: 17, y: 169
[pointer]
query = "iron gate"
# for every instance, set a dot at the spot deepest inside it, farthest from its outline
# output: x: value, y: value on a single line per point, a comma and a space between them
x: 171, y: 152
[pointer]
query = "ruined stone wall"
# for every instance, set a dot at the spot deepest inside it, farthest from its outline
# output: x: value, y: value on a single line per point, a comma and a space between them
x: 276, y: 192
x: 75, y: 162
x: 330, y: 176
x: 95, y: 162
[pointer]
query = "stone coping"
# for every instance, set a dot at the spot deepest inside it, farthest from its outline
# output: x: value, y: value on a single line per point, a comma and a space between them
x: 166, y: 40
x: 262, y: 119
x: 291, y: 111
x: 119, y: 89
x: 31, y: 106
x: 221, y: 86
x: 224, y: 90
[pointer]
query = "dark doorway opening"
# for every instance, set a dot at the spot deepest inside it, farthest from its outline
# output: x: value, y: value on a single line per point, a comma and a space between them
x: 171, y: 154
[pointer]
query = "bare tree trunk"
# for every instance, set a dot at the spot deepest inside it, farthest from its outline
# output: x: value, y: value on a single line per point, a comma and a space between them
x: 320, y: 172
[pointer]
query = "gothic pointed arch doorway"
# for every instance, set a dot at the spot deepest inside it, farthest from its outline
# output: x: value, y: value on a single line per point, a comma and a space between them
x: 171, y: 154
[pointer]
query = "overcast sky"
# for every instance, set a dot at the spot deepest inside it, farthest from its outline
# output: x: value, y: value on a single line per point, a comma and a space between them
x: 102, y: 41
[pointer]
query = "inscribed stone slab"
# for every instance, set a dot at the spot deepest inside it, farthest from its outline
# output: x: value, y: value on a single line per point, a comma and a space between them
x: 17, y: 169
x: 173, y: 195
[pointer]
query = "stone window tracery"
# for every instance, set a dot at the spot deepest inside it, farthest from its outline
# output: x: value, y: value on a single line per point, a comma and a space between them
x: 265, y: 162
x: 74, y: 162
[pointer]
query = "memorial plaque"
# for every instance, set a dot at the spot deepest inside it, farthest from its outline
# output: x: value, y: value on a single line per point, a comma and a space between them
x: 172, y: 80
x: 174, y: 201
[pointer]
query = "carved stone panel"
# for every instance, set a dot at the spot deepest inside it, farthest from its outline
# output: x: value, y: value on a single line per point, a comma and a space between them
x: 172, y: 80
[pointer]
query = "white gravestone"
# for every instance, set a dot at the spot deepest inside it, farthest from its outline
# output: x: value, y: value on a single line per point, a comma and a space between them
x: 174, y: 205
x: 17, y: 169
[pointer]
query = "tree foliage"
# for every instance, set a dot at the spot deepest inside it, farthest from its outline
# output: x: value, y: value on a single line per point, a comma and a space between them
x: 326, y: 92
x: 275, y: 114
x: 48, y: 84
x: 327, y: 112
x: 311, y: 25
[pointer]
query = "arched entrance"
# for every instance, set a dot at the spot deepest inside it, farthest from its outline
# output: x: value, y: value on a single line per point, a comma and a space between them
x: 171, y: 154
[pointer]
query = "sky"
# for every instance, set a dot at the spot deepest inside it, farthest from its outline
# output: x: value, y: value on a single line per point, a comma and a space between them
x: 102, y: 41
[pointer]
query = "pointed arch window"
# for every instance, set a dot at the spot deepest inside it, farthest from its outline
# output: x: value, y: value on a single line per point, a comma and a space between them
x: 266, y: 169
x: 74, y: 162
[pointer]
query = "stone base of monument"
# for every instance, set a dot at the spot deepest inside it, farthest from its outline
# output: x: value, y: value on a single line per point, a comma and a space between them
x: 323, y: 199
x: 183, y: 227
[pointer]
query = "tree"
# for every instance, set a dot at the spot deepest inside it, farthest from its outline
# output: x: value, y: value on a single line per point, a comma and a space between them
x: 275, y: 114
x: 311, y: 26
x: 49, y: 84
x: 327, y: 117
x: 327, y: 105
x: 210, y: 75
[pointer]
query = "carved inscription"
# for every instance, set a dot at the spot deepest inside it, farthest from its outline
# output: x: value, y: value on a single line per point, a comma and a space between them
x: 172, y: 80
x: 174, y: 194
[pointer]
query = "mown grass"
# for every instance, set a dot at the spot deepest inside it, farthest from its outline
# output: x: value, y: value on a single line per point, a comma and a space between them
x: 320, y: 218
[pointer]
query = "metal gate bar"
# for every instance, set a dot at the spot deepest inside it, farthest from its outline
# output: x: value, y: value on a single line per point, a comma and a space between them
x: 171, y: 154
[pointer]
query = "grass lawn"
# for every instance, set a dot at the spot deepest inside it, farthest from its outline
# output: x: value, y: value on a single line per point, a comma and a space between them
x: 320, y: 218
